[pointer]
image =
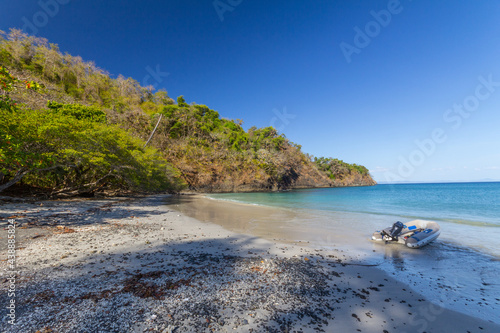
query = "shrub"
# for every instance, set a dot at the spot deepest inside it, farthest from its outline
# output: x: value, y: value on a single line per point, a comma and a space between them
x: 55, y: 150
x: 79, y: 111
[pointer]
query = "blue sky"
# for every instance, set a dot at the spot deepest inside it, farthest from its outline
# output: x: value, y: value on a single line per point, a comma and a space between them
x: 410, y: 89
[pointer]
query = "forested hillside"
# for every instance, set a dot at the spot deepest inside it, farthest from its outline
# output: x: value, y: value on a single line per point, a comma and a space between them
x: 67, y: 127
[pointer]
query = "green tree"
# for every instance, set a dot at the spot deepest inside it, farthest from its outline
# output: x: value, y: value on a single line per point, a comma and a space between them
x: 181, y: 102
x: 54, y: 150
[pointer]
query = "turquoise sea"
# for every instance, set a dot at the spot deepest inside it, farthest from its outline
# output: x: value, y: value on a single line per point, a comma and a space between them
x: 459, y: 270
x: 471, y: 210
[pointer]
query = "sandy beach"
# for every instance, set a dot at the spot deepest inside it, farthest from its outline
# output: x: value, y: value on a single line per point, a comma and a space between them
x: 136, y: 265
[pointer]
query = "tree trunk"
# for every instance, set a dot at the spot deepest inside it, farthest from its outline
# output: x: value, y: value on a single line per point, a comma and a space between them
x: 19, y: 175
x: 86, y: 188
x: 153, y: 132
x: 23, y: 172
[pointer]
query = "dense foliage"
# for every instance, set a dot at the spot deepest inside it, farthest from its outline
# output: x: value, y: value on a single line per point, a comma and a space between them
x: 336, y: 168
x: 76, y: 129
x: 71, y: 149
x: 210, y: 150
x: 78, y: 111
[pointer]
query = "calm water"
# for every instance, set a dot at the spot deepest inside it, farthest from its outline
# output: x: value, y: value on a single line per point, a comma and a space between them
x: 459, y: 270
x: 465, y: 203
x: 469, y: 213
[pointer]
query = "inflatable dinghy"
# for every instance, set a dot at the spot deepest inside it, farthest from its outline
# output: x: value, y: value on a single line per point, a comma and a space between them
x: 413, y: 234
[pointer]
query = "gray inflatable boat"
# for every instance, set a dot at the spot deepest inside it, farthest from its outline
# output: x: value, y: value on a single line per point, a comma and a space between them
x: 414, y: 234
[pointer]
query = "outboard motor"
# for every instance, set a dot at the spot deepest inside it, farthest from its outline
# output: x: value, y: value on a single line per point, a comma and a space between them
x: 396, y: 230
x: 393, y: 233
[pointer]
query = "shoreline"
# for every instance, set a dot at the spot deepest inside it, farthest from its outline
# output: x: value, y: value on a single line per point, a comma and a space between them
x: 136, y: 264
x: 452, y: 275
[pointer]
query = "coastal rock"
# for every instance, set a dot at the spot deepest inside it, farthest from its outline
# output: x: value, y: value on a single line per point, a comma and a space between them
x: 305, y: 175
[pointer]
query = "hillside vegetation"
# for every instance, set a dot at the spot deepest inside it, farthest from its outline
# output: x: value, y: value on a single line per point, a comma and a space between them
x: 67, y: 127
x: 342, y: 173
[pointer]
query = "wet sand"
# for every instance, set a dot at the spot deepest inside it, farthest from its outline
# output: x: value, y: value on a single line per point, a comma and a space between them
x: 452, y: 276
x: 138, y: 265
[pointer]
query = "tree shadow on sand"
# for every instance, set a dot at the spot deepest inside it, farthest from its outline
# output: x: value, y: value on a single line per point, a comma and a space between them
x: 74, y: 212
